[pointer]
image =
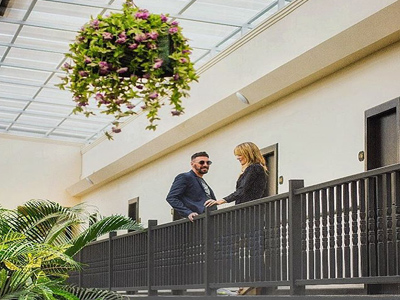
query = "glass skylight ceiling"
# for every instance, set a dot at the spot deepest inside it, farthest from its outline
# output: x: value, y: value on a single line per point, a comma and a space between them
x: 35, y: 34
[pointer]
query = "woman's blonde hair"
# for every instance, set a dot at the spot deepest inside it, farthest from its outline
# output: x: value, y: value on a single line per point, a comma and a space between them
x: 251, y: 153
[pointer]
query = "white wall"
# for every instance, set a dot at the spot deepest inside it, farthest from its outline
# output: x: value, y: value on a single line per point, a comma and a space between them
x: 33, y: 169
x: 319, y: 129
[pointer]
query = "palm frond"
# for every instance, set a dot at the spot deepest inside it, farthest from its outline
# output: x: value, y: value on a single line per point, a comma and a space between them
x: 101, y: 227
x: 93, y: 293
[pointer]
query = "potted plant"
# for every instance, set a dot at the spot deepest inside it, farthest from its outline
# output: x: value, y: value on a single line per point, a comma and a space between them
x: 120, y: 58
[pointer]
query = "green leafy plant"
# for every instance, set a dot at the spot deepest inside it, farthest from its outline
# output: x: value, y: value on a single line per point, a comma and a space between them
x: 123, y: 57
x: 37, y: 243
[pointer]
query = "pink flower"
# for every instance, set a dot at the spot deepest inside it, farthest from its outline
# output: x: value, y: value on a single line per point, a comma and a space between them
x: 176, y: 76
x: 153, y: 95
x: 107, y: 36
x: 121, y: 40
x: 173, y: 30
x: 151, y: 46
x: 139, y: 87
x: 140, y: 37
x: 183, y: 60
x: 116, y: 130
x: 83, y: 73
x: 186, y: 51
x: 67, y: 66
x: 158, y: 63
x: 133, y: 46
x: 99, y: 97
x: 95, y: 23
x: 163, y: 18
x: 175, y: 23
x: 130, y: 106
x: 103, y: 65
x: 153, y: 35
x: 122, y: 70
x: 142, y: 14
x: 175, y: 113
x: 88, y: 60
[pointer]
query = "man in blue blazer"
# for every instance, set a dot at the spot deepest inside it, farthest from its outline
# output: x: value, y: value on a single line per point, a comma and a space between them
x: 189, y: 190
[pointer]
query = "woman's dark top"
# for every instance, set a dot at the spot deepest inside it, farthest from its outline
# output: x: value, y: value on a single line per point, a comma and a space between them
x: 251, y: 185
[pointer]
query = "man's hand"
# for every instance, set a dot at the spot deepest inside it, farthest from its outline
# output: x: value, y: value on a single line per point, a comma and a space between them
x: 192, y: 215
x: 212, y: 202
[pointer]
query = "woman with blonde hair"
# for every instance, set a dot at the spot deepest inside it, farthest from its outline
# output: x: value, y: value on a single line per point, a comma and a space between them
x: 252, y: 182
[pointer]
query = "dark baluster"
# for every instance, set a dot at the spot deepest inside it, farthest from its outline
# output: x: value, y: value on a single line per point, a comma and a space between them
x: 363, y: 229
x: 332, y: 253
x: 278, y: 240
x: 339, y: 232
x: 303, y: 235
x: 396, y: 258
x: 227, y: 250
x: 371, y: 227
x: 253, y: 244
x: 317, y: 229
x: 381, y: 253
x: 310, y: 236
x: 262, y: 226
x: 346, y: 219
x: 324, y: 206
x: 217, y: 249
x: 236, y: 270
x: 389, y: 225
x: 231, y: 244
x: 267, y: 243
x: 284, y: 240
x: 354, y: 227
x: 241, y: 246
x: 246, y: 243
x: 273, y: 240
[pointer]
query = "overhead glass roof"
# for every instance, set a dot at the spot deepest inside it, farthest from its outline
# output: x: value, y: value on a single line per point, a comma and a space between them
x: 35, y: 34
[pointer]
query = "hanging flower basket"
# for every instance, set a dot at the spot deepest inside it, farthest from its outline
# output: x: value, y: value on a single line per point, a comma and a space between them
x: 118, y: 59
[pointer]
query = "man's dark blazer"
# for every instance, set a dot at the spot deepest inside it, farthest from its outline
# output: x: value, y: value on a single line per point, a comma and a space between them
x: 187, y: 194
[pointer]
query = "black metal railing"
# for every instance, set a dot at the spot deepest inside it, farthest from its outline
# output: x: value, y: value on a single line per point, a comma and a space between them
x: 340, y: 232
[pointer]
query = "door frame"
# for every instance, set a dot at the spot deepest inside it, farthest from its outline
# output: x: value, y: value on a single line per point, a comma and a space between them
x: 375, y: 112
x: 273, y: 149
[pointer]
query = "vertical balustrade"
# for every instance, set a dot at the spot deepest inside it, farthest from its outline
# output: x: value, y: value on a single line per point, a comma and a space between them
x: 284, y: 240
x: 303, y: 219
x: 310, y: 216
x: 346, y: 227
x: 339, y: 237
x: 354, y: 228
x: 324, y: 211
x: 317, y: 230
x: 397, y: 220
x: 332, y: 252
x: 363, y: 228
x: 380, y: 236
x: 371, y: 227
x: 389, y: 223
x: 150, y: 258
x: 295, y: 240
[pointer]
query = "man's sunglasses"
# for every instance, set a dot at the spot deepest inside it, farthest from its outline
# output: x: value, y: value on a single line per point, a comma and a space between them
x: 202, y: 162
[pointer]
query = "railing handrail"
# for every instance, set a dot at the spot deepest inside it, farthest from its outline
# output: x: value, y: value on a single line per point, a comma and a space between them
x: 347, y: 179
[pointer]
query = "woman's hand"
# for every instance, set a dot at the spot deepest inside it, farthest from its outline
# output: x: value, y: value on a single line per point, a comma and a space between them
x: 212, y: 202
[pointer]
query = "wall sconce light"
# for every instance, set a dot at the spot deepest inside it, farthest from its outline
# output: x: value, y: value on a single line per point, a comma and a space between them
x: 89, y: 180
x: 361, y: 156
x: 242, y: 98
x: 280, y: 180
